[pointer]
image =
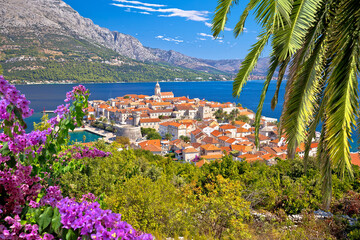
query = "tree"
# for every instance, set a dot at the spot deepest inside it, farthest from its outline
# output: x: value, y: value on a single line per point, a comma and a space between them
x: 185, y: 138
x: 123, y: 140
x: 219, y: 115
x: 44, y: 124
x: 243, y: 118
x: 319, y: 42
x: 168, y: 136
x: 150, y: 133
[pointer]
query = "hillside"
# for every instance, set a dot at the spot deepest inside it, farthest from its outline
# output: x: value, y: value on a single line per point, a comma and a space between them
x: 42, y: 39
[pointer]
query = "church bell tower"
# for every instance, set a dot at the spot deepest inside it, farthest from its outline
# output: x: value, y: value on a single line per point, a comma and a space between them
x: 157, y: 90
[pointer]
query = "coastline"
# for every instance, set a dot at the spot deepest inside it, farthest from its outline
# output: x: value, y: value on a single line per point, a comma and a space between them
x: 65, y: 83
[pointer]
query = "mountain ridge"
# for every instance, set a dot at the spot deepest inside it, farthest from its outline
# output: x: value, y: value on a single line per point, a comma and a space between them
x: 36, y: 20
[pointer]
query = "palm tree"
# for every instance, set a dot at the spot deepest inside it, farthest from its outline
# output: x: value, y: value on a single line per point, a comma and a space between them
x: 319, y: 42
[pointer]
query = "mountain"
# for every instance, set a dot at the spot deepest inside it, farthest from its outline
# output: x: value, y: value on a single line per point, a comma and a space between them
x: 38, y: 38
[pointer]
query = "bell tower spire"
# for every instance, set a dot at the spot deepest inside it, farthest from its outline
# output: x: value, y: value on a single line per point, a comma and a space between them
x: 157, y: 89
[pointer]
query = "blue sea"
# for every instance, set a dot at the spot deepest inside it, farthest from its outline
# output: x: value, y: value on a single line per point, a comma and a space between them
x: 49, y: 96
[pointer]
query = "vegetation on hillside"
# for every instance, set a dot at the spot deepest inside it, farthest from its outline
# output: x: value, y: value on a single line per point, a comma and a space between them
x: 56, y: 57
x: 217, y: 201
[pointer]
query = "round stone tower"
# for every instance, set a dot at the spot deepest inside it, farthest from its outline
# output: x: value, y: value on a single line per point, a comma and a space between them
x: 133, y: 133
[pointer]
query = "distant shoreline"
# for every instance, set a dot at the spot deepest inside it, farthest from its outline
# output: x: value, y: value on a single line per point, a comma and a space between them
x: 62, y: 83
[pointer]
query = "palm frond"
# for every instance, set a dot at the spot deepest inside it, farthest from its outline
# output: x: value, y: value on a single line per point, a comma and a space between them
x: 300, y: 107
x: 249, y: 63
x: 274, y: 64
x: 319, y: 112
x: 292, y: 37
x: 342, y: 107
x: 221, y: 13
x: 283, y: 67
x: 239, y: 27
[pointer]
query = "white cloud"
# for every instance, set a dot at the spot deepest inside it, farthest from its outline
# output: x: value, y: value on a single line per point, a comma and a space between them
x: 140, y: 3
x: 145, y: 13
x: 169, y: 39
x: 193, y: 15
x: 210, y: 26
x: 205, y: 35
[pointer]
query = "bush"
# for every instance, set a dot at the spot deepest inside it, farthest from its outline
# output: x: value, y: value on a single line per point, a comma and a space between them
x: 32, y: 205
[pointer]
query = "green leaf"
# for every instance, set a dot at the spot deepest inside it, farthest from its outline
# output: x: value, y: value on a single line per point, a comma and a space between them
x: 55, y: 221
x: 302, y: 17
x: 71, y: 235
x: 51, y: 148
x: 45, y: 218
x: 4, y: 151
x: 249, y: 63
x: 220, y: 18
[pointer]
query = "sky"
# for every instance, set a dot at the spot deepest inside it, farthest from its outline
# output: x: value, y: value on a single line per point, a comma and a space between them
x: 180, y: 25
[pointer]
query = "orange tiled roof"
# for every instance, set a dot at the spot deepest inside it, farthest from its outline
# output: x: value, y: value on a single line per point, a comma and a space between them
x: 155, y: 142
x: 226, y: 149
x: 160, y: 111
x: 261, y: 137
x: 196, y: 145
x: 196, y: 131
x: 152, y: 148
x: 246, y: 113
x: 243, y: 130
x: 213, y: 156
x: 301, y: 147
x: 250, y: 157
x: 160, y: 104
x: 314, y: 145
x: 216, y: 133
x: 149, y: 120
x: 223, y: 138
x: 267, y: 156
x: 355, y: 158
x: 167, y: 93
x: 175, y: 124
x: 103, y: 106
x: 201, y: 163
x: 209, y: 140
x: 241, y: 148
x: 91, y: 109
x: 165, y: 124
x: 190, y: 150
x: 227, y: 126
x: 210, y: 147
